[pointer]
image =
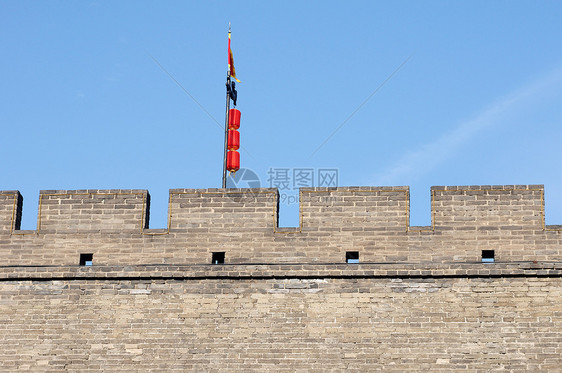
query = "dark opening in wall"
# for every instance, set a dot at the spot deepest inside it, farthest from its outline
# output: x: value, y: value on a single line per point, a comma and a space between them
x: 352, y: 257
x: 217, y: 258
x: 86, y: 259
x: 488, y: 256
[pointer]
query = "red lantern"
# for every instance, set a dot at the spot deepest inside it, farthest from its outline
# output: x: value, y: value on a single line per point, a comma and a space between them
x: 233, y: 161
x: 233, y: 140
x: 234, y: 119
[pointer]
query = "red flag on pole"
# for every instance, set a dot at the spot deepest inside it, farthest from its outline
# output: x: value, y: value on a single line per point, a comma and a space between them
x: 231, y: 61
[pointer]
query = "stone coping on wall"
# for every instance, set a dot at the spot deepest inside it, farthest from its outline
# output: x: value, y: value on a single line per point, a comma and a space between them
x: 281, y: 271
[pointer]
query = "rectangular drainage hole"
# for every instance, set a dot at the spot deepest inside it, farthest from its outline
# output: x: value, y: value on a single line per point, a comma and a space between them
x: 217, y: 258
x: 86, y: 259
x: 352, y: 257
x: 488, y: 256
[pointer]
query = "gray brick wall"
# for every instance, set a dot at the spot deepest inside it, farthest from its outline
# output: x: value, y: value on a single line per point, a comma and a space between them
x: 419, y: 300
x: 92, y: 211
x: 111, y: 224
x: 282, y: 318
x: 488, y: 207
x: 10, y: 211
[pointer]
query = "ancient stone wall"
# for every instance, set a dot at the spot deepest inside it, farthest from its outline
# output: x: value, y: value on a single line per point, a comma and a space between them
x: 284, y: 300
x: 282, y: 318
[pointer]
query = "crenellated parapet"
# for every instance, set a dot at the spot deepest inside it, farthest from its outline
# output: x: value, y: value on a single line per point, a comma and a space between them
x: 372, y: 221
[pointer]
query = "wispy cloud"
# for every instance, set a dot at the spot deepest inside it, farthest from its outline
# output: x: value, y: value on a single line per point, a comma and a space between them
x: 426, y: 157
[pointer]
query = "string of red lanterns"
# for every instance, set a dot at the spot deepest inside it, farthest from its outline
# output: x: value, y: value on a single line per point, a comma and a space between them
x: 233, y: 143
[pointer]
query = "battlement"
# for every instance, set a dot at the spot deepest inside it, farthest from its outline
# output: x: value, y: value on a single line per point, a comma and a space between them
x: 80, y: 211
x: 373, y: 221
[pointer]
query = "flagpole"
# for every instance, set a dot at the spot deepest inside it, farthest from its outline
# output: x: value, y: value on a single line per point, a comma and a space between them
x: 228, y: 73
x: 226, y: 128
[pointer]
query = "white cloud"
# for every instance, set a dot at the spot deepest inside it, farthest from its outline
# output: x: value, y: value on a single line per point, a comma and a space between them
x: 427, y: 156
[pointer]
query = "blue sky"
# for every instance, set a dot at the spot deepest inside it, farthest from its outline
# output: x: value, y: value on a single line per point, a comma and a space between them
x: 441, y: 92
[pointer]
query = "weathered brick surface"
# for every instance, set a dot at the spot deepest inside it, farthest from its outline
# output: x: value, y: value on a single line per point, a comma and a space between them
x: 218, y: 211
x: 10, y: 211
x: 111, y: 224
x: 285, y: 301
x: 92, y: 211
x: 381, y: 208
x: 311, y: 322
x: 491, y: 207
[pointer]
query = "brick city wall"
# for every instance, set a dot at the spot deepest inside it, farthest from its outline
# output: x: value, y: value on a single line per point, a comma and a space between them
x: 112, y: 225
x: 285, y: 300
x: 282, y: 318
